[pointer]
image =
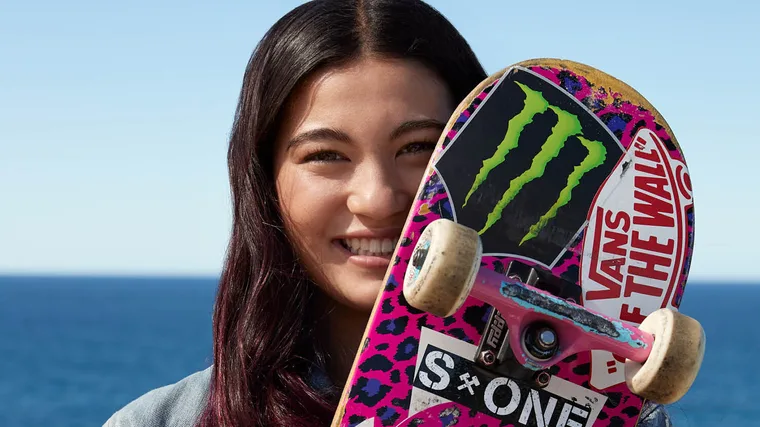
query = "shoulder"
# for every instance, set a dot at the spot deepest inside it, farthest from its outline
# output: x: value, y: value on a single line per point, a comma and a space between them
x: 654, y: 415
x: 174, y: 405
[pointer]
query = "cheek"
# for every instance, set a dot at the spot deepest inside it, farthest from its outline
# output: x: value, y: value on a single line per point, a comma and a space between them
x: 306, y: 202
x: 293, y: 201
x: 411, y: 177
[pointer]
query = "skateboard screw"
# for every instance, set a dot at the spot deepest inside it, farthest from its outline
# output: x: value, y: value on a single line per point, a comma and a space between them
x: 487, y: 358
x: 547, y: 338
x: 540, y: 342
x: 419, y: 257
x: 542, y: 379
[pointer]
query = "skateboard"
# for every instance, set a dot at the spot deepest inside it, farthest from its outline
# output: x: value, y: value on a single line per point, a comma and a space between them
x: 538, y: 276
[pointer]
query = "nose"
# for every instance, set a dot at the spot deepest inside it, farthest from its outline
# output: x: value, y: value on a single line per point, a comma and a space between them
x: 378, y: 193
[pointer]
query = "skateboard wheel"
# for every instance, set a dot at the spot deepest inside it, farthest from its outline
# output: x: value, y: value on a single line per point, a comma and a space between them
x: 675, y: 359
x: 443, y: 267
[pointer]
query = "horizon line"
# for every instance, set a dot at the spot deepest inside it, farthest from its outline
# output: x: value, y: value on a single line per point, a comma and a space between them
x: 209, y: 276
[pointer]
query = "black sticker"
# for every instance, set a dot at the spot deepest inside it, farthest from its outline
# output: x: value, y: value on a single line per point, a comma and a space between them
x: 511, y: 401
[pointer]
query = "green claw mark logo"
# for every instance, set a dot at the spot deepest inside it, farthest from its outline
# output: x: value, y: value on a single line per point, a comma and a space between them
x: 567, y: 125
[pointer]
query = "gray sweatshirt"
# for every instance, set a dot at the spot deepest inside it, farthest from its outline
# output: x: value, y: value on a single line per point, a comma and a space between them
x: 180, y: 405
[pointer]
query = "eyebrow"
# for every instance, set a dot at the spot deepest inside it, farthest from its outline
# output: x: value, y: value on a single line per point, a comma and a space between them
x: 320, y: 134
x: 331, y: 134
x: 417, y: 125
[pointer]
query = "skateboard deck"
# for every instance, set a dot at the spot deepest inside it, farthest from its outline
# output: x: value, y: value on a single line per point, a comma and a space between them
x: 576, y: 185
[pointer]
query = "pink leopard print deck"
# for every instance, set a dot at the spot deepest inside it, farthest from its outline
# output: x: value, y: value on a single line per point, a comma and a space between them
x: 380, y: 385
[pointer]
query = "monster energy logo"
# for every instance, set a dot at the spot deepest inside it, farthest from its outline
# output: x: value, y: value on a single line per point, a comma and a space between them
x: 567, y: 126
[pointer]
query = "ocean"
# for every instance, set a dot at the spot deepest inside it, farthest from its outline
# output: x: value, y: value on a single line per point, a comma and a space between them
x: 73, y: 350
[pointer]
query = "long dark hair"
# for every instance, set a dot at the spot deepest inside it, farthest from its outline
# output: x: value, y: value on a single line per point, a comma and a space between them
x: 263, y: 320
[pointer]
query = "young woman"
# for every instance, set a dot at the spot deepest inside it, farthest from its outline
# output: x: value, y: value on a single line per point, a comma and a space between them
x: 341, y: 106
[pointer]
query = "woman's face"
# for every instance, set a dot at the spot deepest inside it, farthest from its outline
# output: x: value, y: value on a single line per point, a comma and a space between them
x: 350, y: 154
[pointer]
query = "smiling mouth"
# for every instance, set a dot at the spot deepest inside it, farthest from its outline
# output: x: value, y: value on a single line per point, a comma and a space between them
x: 370, y: 247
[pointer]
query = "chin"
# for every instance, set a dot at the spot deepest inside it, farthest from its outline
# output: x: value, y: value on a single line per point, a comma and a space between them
x: 362, y: 298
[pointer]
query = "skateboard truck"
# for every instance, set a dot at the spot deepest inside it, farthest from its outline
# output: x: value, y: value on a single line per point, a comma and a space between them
x: 538, y: 329
x: 494, y: 354
x: 537, y: 277
x: 540, y: 340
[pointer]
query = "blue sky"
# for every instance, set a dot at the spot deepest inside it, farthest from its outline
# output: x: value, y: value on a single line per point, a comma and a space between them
x: 114, y: 118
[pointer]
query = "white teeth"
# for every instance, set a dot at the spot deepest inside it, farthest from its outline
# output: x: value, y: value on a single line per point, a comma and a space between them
x: 371, y: 246
x: 387, y: 245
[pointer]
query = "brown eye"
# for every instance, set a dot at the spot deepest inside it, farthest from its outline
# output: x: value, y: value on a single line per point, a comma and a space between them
x: 418, y: 148
x: 323, y: 157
